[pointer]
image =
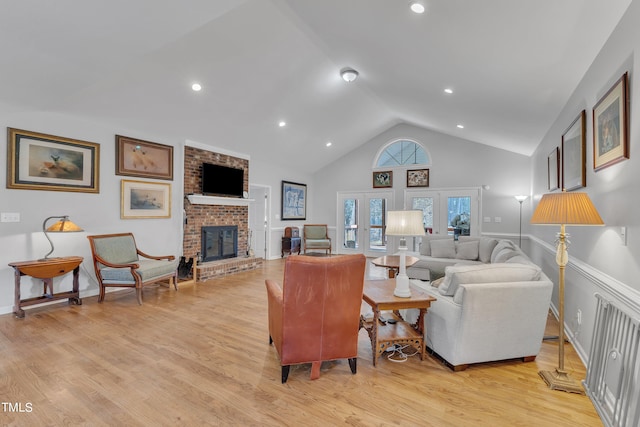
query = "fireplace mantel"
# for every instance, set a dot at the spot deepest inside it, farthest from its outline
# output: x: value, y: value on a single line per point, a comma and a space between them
x: 200, y: 199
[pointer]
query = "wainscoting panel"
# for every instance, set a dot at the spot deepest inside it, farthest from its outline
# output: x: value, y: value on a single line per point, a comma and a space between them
x: 613, y: 369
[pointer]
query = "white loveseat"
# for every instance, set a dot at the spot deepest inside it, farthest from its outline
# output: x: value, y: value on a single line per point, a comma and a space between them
x: 486, y: 311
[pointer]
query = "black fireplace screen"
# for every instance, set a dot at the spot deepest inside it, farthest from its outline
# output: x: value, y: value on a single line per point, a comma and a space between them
x: 219, y: 242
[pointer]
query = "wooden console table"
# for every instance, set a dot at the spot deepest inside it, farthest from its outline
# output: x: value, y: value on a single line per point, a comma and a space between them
x: 379, y: 295
x: 46, y: 269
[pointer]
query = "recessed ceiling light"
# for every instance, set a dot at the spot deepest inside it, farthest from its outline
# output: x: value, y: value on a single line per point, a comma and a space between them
x: 282, y: 123
x: 348, y: 74
x: 416, y: 7
x: 196, y: 87
x: 460, y: 126
x: 448, y: 90
x: 329, y: 144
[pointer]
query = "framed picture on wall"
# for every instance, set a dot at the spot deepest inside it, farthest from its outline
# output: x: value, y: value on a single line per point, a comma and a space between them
x: 383, y: 179
x: 574, y: 156
x: 418, y: 178
x: 294, y: 201
x: 37, y: 161
x: 144, y: 199
x: 135, y: 157
x: 610, y: 126
x: 553, y: 169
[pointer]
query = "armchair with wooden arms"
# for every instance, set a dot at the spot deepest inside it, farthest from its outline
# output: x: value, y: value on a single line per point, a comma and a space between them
x: 117, y: 262
x: 315, y: 315
x: 315, y: 236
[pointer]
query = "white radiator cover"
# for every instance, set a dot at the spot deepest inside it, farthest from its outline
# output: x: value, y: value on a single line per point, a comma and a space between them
x: 613, y: 371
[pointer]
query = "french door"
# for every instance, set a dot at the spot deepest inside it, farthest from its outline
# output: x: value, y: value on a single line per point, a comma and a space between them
x: 452, y: 212
x: 361, y: 222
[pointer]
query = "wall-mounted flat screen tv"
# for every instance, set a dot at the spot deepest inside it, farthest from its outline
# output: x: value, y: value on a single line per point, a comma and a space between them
x: 220, y: 180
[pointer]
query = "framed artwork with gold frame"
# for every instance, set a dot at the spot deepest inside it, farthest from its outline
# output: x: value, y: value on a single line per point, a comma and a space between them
x: 553, y: 170
x: 38, y: 161
x: 144, y: 199
x: 574, y: 156
x: 135, y: 157
x: 610, y: 126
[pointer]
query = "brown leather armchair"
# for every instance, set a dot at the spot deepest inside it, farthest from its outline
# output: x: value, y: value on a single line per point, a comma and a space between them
x: 315, y: 316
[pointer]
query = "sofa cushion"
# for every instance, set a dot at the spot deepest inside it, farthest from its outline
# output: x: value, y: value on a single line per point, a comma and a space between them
x: 519, y: 259
x: 467, y: 250
x: 487, y: 273
x: 504, y: 250
x: 430, y: 268
x: 149, y: 268
x: 486, y: 247
x: 425, y: 246
x: 443, y: 249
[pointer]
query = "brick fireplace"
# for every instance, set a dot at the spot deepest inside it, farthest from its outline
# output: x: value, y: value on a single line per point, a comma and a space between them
x: 199, y: 216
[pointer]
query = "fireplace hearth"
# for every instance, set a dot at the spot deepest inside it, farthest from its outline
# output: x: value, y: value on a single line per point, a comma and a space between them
x: 219, y: 242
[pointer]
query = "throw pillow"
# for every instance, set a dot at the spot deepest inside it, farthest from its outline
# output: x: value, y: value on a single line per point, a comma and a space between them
x: 443, y: 249
x: 467, y: 250
x: 425, y: 247
x: 487, y: 245
x: 437, y: 282
x: 501, y: 246
x: 487, y: 273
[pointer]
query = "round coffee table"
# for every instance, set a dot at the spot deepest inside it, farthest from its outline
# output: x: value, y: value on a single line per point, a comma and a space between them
x: 392, y: 263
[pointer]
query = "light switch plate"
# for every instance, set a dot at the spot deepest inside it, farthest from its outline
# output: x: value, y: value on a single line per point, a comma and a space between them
x: 10, y: 217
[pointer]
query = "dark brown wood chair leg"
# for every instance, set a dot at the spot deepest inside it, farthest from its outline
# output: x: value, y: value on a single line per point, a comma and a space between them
x: 353, y: 364
x: 270, y: 340
x: 529, y: 358
x: 285, y: 373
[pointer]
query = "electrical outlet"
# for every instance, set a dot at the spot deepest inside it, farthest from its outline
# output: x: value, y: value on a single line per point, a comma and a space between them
x: 497, y: 219
x: 579, y: 317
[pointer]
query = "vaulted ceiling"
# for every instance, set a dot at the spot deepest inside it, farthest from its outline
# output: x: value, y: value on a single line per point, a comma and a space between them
x: 130, y: 64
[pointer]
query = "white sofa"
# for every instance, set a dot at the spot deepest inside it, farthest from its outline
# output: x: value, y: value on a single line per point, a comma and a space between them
x: 486, y: 311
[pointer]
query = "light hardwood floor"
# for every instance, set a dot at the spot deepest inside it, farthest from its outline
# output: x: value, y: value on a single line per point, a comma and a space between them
x: 201, y: 356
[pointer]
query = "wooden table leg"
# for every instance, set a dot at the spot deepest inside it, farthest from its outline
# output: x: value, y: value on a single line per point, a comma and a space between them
x: 19, y: 312
x: 76, y: 286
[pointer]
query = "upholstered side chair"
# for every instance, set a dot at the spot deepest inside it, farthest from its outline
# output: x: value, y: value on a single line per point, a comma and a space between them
x: 315, y: 236
x: 119, y: 263
x: 315, y: 315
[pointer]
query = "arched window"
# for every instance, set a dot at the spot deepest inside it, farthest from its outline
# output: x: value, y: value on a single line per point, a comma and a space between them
x: 402, y: 153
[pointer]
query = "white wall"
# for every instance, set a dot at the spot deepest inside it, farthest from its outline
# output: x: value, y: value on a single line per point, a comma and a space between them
x: 100, y: 213
x: 272, y: 176
x: 95, y: 213
x: 455, y: 162
x: 599, y: 261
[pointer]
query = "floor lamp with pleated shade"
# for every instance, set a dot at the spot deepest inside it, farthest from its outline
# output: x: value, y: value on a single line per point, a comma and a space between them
x: 564, y: 209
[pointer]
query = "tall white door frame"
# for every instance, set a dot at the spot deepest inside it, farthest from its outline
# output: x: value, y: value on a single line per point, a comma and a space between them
x: 259, y: 219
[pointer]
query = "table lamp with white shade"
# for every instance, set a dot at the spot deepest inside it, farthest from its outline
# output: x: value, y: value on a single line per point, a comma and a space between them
x: 404, y: 224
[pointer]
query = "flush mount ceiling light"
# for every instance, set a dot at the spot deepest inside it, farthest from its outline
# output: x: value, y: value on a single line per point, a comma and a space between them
x: 460, y: 126
x: 282, y: 123
x: 196, y: 87
x: 329, y: 144
x: 448, y: 90
x: 416, y: 7
x: 348, y: 74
